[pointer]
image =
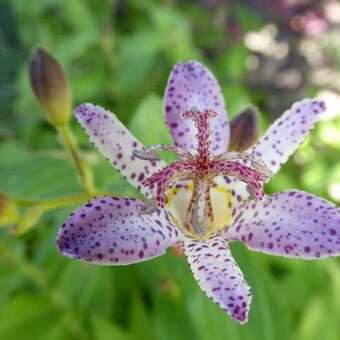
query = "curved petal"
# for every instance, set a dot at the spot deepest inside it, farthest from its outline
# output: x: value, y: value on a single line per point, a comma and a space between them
x: 191, y: 85
x: 219, y: 276
x: 290, y: 224
x: 110, y: 231
x: 286, y: 134
x: 116, y: 143
x: 235, y: 187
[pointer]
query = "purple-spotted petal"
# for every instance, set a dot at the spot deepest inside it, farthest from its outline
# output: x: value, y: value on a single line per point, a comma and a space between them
x: 219, y: 276
x: 110, y: 231
x: 290, y: 224
x: 192, y: 86
x: 236, y: 188
x: 116, y: 143
x: 287, y: 133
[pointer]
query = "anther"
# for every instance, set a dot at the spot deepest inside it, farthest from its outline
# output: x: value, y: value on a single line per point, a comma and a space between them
x: 199, y: 223
x: 147, y: 155
x: 251, y: 191
x: 262, y: 168
x: 254, y: 193
x: 257, y: 163
x: 149, y: 207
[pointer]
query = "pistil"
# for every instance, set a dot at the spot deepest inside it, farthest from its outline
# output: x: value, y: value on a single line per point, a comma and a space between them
x: 201, y: 168
x: 200, y: 210
x: 201, y: 119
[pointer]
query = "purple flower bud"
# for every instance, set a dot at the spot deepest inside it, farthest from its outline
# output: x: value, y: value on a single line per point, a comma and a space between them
x: 50, y: 86
x: 243, y: 130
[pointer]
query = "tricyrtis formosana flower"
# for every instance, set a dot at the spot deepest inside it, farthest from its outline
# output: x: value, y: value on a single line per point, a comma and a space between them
x: 206, y: 199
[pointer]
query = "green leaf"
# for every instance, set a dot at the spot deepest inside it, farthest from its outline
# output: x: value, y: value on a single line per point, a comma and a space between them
x: 36, y: 175
x: 26, y: 316
x: 105, y: 329
x: 140, y: 324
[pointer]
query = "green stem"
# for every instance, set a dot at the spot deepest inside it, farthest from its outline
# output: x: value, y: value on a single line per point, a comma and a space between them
x: 60, y: 202
x: 37, y: 208
x: 83, y: 168
x: 56, y: 299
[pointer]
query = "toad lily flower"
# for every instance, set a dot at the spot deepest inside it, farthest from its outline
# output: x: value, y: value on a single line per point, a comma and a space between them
x: 206, y: 199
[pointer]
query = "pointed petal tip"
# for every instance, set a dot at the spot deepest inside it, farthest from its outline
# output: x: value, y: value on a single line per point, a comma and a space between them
x: 82, y: 109
x: 316, y: 105
x: 116, y: 143
x: 286, y: 134
x: 190, y: 85
x: 322, y: 104
x: 241, y: 318
x: 186, y: 63
x: 63, y: 247
x: 240, y: 312
x: 64, y: 244
x: 219, y: 276
x: 193, y: 62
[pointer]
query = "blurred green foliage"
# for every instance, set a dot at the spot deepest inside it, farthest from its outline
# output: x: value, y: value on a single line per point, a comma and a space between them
x: 118, y: 54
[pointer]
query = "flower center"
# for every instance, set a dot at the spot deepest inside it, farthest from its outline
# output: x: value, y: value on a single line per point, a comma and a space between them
x: 192, y: 176
x: 179, y: 198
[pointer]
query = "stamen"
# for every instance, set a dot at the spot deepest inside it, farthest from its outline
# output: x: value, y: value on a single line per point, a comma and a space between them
x: 149, y: 207
x: 244, y: 173
x: 166, y: 176
x: 201, y: 119
x: 199, y: 222
x: 200, y: 208
x: 256, y: 163
x: 262, y: 167
x: 201, y: 168
x: 251, y: 191
x: 148, y: 154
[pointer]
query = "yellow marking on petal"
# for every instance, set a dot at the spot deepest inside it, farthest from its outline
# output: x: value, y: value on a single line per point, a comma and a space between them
x: 178, y: 200
x: 229, y: 198
x: 170, y: 195
x: 172, y: 192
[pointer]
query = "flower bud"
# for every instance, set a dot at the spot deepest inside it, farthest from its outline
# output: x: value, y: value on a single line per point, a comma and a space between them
x: 8, y: 211
x: 50, y: 86
x: 243, y: 130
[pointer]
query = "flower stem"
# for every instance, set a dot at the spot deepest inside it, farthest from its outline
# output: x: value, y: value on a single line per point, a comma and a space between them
x: 36, y: 208
x: 60, y: 202
x: 82, y: 167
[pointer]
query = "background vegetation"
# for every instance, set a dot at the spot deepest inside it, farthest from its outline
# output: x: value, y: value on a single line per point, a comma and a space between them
x: 118, y: 54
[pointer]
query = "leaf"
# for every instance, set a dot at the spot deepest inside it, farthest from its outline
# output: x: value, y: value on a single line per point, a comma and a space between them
x: 105, y: 329
x: 140, y: 324
x: 26, y: 316
x: 36, y: 175
x: 135, y: 63
x: 12, y: 153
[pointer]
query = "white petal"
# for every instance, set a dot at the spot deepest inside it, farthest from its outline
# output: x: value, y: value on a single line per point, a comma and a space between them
x: 219, y: 276
x: 192, y: 85
x: 290, y: 224
x: 286, y: 134
x: 116, y: 144
x: 110, y: 231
